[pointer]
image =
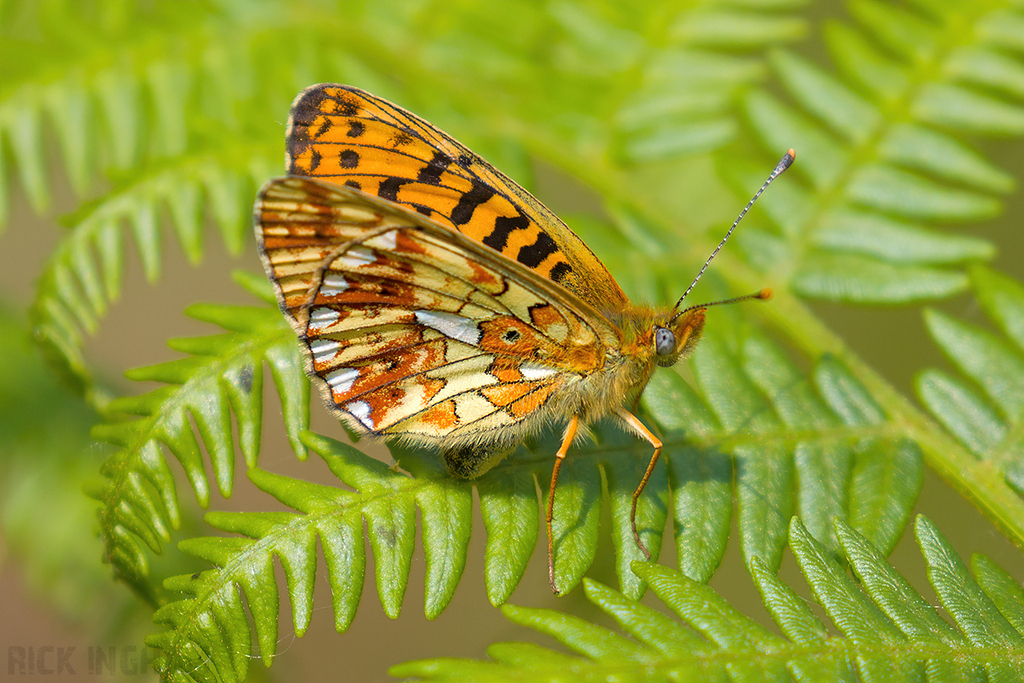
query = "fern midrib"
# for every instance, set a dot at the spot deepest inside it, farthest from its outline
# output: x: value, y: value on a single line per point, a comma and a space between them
x: 1009, y: 450
x: 352, y: 508
x: 971, y: 477
x: 127, y: 462
x: 777, y: 655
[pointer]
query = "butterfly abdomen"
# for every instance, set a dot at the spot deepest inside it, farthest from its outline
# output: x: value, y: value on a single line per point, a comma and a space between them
x: 470, y: 462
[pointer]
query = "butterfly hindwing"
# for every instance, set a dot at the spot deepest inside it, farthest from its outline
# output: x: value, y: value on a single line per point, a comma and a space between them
x: 348, y: 136
x: 412, y: 329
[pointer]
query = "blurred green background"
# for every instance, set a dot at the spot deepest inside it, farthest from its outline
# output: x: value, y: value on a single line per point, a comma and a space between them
x: 542, y: 89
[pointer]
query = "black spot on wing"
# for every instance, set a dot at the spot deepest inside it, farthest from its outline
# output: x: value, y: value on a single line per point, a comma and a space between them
x: 532, y: 255
x: 325, y: 125
x: 314, y: 161
x: 560, y: 270
x: 463, y: 211
x: 390, y: 187
x: 503, y: 227
x: 346, y: 105
x: 356, y: 128
x: 431, y: 173
x: 348, y: 158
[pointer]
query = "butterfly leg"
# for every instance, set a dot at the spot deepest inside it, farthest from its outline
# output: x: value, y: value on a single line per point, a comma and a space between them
x: 634, y: 425
x: 570, y: 434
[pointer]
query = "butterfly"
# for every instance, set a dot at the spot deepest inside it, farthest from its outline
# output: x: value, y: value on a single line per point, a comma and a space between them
x: 438, y: 303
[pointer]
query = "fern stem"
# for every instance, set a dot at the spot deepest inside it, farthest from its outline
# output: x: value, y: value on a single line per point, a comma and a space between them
x: 977, y: 481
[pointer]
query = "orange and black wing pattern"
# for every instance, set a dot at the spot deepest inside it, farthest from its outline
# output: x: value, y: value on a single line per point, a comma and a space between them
x: 349, y: 137
x: 413, y: 330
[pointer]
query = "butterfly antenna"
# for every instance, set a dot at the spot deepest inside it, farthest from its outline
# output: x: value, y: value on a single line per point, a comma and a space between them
x: 765, y: 293
x: 783, y: 164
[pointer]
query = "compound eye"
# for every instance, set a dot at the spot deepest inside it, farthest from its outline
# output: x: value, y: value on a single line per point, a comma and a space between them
x: 664, y: 341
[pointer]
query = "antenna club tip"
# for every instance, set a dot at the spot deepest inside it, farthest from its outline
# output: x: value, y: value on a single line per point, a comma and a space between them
x: 791, y: 153
x: 765, y: 293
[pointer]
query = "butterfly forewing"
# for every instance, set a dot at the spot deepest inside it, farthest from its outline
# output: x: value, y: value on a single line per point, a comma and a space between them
x: 411, y: 328
x: 351, y: 137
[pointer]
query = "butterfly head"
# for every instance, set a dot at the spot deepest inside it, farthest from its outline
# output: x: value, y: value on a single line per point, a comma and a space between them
x: 678, y: 337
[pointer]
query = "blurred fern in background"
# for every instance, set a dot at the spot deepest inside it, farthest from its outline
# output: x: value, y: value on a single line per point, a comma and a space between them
x: 150, y: 126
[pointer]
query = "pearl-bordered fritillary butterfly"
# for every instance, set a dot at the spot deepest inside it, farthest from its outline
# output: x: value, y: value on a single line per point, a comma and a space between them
x: 439, y: 303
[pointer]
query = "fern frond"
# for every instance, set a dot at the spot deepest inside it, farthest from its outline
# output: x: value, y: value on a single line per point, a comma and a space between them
x: 827, y: 435
x: 386, y: 499
x: 107, y: 110
x: 984, y: 409
x: 887, y: 137
x: 173, y: 118
x: 884, y: 150
x: 817, y: 445
x: 126, y: 118
x: 222, y: 376
x: 887, y: 631
x: 682, y: 100
x: 84, y: 273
